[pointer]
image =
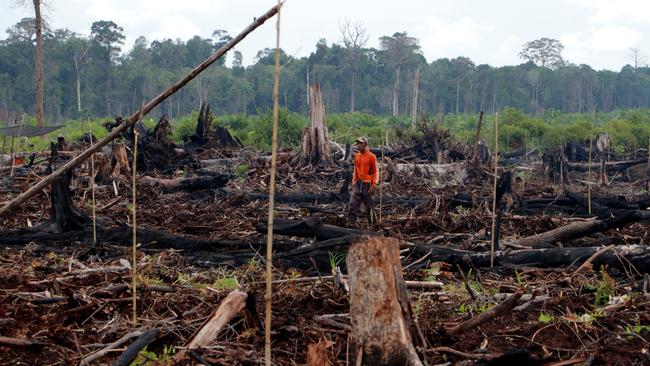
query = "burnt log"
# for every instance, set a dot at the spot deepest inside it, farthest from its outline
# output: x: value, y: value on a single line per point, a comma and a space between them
x: 187, y: 184
x: 619, y: 257
x: 582, y: 228
x: 380, y: 315
x: 307, y: 228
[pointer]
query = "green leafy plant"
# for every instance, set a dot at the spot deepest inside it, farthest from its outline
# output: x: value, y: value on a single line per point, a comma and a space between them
x: 241, y: 173
x: 545, y: 318
x: 604, y: 289
x: 335, y: 259
x: 146, y: 357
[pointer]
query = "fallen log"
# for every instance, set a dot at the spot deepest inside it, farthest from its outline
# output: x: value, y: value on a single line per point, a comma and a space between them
x: 307, y: 228
x: 187, y: 184
x: 382, y: 328
x: 581, y: 228
x: 611, y: 166
x: 134, y: 349
x: 232, y: 305
x: 620, y: 257
x: 135, y: 117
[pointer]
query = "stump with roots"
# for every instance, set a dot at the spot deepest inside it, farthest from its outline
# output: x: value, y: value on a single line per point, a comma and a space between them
x: 315, y: 149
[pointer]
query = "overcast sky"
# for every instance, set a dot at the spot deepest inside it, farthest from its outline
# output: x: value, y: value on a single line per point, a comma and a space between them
x: 595, y: 32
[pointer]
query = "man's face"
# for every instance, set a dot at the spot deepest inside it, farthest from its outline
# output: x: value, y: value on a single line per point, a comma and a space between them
x: 362, y: 146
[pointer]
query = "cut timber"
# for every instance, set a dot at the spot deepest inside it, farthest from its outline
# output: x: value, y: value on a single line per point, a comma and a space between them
x: 232, y: 305
x: 379, y: 310
x: 582, y: 228
x: 620, y: 257
x: 308, y: 229
x: 135, y: 117
x: 315, y: 149
x: 187, y: 184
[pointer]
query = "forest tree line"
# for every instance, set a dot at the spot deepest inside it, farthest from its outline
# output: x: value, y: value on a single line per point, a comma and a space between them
x: 89, y: 76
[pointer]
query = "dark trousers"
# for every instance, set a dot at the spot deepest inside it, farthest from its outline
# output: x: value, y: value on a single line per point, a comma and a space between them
x: 358, y: 197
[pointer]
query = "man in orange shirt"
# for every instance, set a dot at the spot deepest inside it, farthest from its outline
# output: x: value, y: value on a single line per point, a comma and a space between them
x: 364, y: 183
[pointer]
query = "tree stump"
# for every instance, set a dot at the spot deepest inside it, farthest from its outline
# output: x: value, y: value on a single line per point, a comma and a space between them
x: 315, y: 149
x: 64, y: 216
x: 120, y: 160
x: 379, y: 309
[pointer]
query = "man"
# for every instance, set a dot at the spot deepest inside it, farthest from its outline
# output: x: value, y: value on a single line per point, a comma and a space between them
x: 364, y: 183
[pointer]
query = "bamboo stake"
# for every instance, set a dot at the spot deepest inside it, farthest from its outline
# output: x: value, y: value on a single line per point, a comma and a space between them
x: 381, y: 176
x: 92, y: 185
x: 269, y: 233
x: 134, y: 252
x: 13, y: 204
x: 494, y: 192
x: 589, y: 180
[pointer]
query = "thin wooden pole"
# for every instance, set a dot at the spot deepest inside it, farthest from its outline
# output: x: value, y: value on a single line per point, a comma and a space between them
x: 134, y: 251
x: 117, y: 131
x: 589, y: 180
x: 13, y: 152
x: 4, y: 143
x: 494, y: 191
x: 269, y: 233
x: 381, y: 176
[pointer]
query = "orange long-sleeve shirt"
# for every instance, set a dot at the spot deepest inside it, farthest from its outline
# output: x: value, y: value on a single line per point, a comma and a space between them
x: 365, y: 168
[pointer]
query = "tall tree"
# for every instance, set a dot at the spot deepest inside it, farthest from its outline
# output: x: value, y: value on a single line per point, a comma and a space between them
x: 398, y: 49
x: 40, y: 77
x: 106, y: 37
x: 637, y: 57
x: 354, y: 38
x: 79, y: 56
x: 545, y: 52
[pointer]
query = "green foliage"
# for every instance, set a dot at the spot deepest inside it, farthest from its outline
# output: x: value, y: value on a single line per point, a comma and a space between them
x: 335, y: 259
x: 226, y: 283
x: 546, y: 318
x: 146, y: 357
x: 242, y: 172
x: 604, y: 289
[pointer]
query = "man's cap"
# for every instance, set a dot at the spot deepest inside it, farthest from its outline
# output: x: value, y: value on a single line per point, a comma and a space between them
x: 361, y: 140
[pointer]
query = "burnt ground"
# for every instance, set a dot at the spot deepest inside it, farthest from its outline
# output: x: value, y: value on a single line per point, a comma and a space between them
x: 50, y: 295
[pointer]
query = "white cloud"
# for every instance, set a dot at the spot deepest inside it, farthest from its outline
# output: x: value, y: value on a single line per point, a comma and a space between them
x: 438, y: 37
x: 605, y: 11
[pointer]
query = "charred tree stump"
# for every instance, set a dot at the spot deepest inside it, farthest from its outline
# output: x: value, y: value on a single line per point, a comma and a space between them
x: 555, y: 164
x: 157, y: 151
x: 204, y: 137
x: 380, y: 314
x: 64, y: 216
x: 120, y: 161
x: 315, y: 149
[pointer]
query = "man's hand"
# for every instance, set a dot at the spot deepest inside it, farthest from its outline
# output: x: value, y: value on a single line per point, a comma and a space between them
x: 371, y: 191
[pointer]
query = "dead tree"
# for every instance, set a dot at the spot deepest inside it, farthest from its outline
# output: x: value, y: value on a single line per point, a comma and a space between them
x: 555, y: 164
x: 380, y: 313
x: 315, y: 147
x: 63, y: 215
x: 603, y: 144
x: 120, y: 161
x: 156, y: 149
x: 204, y: 137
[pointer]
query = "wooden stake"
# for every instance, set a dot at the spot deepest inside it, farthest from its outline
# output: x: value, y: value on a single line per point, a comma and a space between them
x: 269, y: 232
x: 381, y: 176
x: 494, y: 191
x: 117, y: 131
x: 134, y: 265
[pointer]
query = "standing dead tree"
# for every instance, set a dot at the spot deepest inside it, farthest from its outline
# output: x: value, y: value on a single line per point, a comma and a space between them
x: 603, y: 144
x: 13, y: 204
x: 315, y: 149
x: 380, y: 313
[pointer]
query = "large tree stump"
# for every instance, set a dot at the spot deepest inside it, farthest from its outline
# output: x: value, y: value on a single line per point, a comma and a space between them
x: 379, y: 309
x: 120, y: 160
x: 64, y: 216
x: 315, y: 149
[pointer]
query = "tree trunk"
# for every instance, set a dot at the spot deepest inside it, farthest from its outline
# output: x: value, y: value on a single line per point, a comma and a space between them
x: 414, y: 109
x: 315, y: 149
x: 380, y: 314
x: 78, y: 86
x: 396, y: 93
x: 40, y: 80
x: 64, y: 216
x: 120, y: 161
x: 352, y: 89
x: 457, y: 95
x: 478, y: 138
